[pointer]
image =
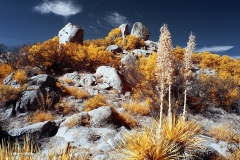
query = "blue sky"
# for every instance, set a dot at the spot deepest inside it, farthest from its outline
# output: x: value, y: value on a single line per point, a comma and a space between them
x: 215, y: 23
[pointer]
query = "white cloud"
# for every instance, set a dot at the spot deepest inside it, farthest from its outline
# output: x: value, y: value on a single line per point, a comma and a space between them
x: 58, y: 7
x: 115, y: 19
x: 235, y: 57
x: 214, y: 49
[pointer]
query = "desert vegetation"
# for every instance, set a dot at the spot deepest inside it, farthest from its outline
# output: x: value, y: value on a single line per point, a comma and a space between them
x: 166, y: 85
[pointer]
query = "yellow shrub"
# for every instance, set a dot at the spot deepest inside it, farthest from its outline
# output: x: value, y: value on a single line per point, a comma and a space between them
x: 136, y: 108
x: 178, y: 53
x: 5, y: 70
x: 20, y: 76
x: 75, y: 91
x: 132, y: 42
x: 8, y: 93
x: 41, y: 116
x: 114, y: 36
x: 46, y: 55
x: 95, y: 102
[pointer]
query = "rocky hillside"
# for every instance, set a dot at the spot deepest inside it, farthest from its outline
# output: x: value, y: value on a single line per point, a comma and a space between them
x: 119, y: 97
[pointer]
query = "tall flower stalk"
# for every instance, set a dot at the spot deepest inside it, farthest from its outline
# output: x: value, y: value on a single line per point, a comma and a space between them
x: 164, y: 63
x: 187, y: 63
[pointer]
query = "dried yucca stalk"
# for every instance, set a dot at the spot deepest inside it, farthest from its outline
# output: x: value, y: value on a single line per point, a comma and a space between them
x: 165, y: 66
x: 187, y: 63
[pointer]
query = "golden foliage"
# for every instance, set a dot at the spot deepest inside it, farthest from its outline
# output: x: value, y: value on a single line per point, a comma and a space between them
x: 178, y: 53
x: 76, y: 92
x: 20, y: 76
x: 221, y: 92
x: 180, y: 141
x: 95, y: 102
x: 224, y: 66
x: 136, y: 107
x: 5, y: 70
x: 146, y: 80
x: 114, y: 36
x: 51, y: 57
x: 45, y: 55
x: 8, y: 93
x: 41, y: 116
x: 132, y: 42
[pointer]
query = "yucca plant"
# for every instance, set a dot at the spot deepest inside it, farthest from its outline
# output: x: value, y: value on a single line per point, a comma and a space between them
x: 165, y: 66
x: 146, y: 144
x: 179, y: 140
x: 185, y: 134
x: 187, y: 63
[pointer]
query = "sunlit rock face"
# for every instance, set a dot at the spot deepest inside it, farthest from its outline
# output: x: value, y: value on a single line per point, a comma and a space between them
x: 140, y: 30
x: 71, y: 33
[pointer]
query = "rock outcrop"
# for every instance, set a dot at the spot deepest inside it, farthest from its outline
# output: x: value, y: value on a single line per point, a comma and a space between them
x: 111, y: 76
x: 71, y: 33
x: 140, y: 30
x: 40, y: 94
x: 124, y: 29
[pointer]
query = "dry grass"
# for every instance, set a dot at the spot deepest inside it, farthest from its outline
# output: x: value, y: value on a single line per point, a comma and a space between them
x: 146, y: 144
x: 123, y: 119
x: 232, y: 137
x: 95, y: 102
x: 184, y: 133
x: 136, y: 107
x: 71, y: 122
x: 180, y: 140
x: 69, y: 81
x: 225, y: 133
x: 76, y: 92
x: 68, y: 153
x: 27, y: 151
x: 20, y: 76
x: 8, y: 93
x: 41, y: 116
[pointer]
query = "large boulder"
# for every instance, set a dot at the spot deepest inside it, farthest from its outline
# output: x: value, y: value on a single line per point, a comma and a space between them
x: 112, y: 77
x: 128, y: 59
x: 40, y: 94
x: 124, y: 29
x: 71, y: 33
x: 140, y: 30
x: 46, y: 129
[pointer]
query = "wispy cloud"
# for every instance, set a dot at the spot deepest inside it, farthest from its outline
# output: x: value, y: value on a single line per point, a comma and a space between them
x: 102, y: 25
x: 115, y: 19
x: 58, y: 7
x: 214, y: 49
x: 137, y: 14
x: 93, y: 29
x: 235, y: 57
